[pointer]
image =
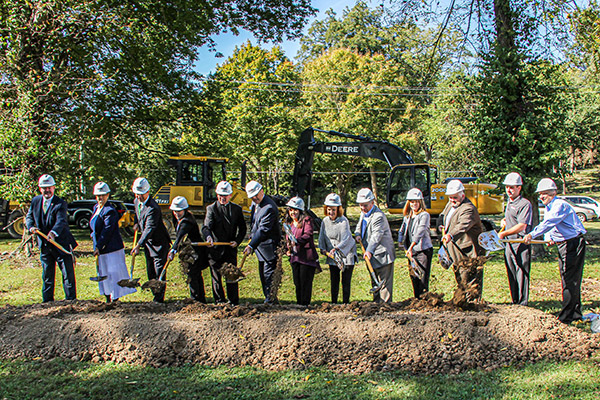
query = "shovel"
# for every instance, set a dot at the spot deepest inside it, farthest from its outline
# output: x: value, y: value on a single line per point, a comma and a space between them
x: 158, y: 285
x: 131, y: 282
x: 338, y: 257
x: 288, y: 231
x: 201, y: 244
x: 98, y: 278
x: 443, y: 255
x: 241, y: 266
x: 58, y: 246
x: 490, y: 241
x: 378, y: 283
x: 412, y: 265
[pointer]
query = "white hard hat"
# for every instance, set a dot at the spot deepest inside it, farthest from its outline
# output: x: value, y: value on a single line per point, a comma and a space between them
x: 454, y: 186
x: 179, y: 203
x: 101, y: 188
x: 140, y: 186
x: 224, y: 188
x: 296, y: 202
x: 414, y: 194
x: 46, y: 181
x: 513, y: 179
x: 333, y: 200
x: 546, y: 184
x: 364, y: 195
x: 252, y: 188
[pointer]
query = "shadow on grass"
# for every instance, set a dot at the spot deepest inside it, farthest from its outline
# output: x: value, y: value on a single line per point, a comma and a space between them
x: 77, y: 380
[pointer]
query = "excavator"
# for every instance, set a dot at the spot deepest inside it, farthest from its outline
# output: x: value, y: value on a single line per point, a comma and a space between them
x: 196, y: 178
x: 404, y: 175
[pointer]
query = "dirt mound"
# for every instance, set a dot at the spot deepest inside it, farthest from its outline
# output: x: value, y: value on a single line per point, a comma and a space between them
x: 424, y: 335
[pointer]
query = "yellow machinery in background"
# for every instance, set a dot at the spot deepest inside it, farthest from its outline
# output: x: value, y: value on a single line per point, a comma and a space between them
x: 196, y: 180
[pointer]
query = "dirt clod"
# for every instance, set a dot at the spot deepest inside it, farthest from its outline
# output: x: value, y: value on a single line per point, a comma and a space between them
x: 155, y: 286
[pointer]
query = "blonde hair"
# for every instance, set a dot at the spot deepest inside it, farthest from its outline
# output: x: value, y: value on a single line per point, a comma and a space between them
x: 408, y: 211
x: 339, y: 212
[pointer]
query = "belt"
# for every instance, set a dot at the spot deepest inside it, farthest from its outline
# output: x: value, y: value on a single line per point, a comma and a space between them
x: 568, y: 240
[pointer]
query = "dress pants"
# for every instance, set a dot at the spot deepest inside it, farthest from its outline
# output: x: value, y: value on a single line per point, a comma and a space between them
x: 233, y: 293
x: 154, y: 267
x: 571, y: 256
x: 49, y: 257
x: 423, y: 261
x: 266, y: 269
x: 303, y: 280
x: 386, y: 275
x: 196, y: 283
x: 334, y: 272
x: 517, y: 258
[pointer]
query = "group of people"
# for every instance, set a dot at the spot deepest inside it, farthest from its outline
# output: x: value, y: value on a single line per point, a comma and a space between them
x: 224, y: 223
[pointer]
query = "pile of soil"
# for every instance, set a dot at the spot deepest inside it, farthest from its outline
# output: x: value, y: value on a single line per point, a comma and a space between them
x: 424, y: 336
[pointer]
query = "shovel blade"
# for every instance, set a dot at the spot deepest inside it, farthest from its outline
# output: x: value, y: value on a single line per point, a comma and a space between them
x: 241, y: 278
x: 98, y: 278
x: 490, y: 241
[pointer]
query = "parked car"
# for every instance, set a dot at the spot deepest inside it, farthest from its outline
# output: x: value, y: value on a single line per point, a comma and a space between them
x: 584, y: 201
x: 79, y: 213
x: 583, y: 213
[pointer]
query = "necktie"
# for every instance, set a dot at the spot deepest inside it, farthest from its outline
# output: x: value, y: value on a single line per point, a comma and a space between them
x: 46, y: 205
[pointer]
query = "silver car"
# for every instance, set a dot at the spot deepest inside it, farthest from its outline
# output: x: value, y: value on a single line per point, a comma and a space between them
x: 583, y: 213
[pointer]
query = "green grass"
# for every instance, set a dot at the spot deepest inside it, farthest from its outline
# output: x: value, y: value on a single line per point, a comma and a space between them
x: 20, y: 284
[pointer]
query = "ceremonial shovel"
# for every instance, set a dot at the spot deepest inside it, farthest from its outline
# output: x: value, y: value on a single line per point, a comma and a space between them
x: 98, y: 278
x: 378, y: 283
x: 490, y: 241
x: 338, y: 257
x: 240, y: 269
x: 131, y: 282
x: 443, y: 254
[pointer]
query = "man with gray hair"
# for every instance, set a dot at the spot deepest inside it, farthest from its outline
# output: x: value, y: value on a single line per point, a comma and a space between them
x: 516, y: 223
x: 373, y: 229
x: 564, y: 229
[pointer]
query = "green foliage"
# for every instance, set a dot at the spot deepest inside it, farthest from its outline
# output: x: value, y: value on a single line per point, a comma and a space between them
x: 90, y: 85
x: 586, y: 49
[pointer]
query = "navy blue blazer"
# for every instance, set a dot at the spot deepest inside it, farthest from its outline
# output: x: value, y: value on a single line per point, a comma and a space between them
x: 265, y: 234
x: 105, y: 230
x: 54, y: 220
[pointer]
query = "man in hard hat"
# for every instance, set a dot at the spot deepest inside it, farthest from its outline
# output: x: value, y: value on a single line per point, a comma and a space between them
x: 48, y: 214
x: 154, y: 237
x: 462, y: 226
x: 265, y: 235
x: 224, y: 222
x: 187, y: 228
x: 516, y: 223
x: 373, y: 229
x: 564, y: 229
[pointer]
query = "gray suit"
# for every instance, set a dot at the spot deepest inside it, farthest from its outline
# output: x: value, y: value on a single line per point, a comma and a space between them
x: 378, y: 240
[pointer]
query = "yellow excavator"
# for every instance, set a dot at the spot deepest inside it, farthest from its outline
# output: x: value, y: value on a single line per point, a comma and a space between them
x: 196, y: 180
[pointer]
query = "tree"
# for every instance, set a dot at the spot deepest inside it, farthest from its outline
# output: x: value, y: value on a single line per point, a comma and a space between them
x: 96, y: 82
x: 255, y: 92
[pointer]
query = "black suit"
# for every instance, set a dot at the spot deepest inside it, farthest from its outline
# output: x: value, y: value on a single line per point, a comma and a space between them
x: 55, y: 220
x: 154, y: 239
x: 264, y: 240
x: 224, y: 224
x: 187, y: 226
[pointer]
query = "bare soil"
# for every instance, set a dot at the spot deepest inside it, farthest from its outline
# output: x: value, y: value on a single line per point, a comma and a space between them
x: 424, y: 336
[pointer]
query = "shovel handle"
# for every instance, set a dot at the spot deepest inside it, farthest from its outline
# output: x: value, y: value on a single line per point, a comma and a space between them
x: 378, y: 283
x: 162, y: 274
x: 58, y: 246
x: 243, y: 261
x: 523, y: 241
x: 202, y: 244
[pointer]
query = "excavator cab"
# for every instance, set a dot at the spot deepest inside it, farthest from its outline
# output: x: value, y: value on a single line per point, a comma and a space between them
x: 404, y: 177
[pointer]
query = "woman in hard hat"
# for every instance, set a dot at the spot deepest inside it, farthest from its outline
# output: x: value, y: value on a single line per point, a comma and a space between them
x: 304, y: 258
x: 108, y: 246
x: 187, y: 227
x: 335, y: 239
x: 415, y: 238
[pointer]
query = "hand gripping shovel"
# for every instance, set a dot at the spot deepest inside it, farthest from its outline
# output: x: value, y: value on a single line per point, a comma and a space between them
x: 338, y: 257
x: 131, y: 282
x: 414, y: 268
x: 491, y: 241
x: 238, y: 270
x: 98, y: 278
x: 52, y: 241
x: 378, y: 283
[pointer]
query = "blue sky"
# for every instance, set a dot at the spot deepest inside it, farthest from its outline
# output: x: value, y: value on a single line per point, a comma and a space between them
x: 226, y: 43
